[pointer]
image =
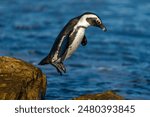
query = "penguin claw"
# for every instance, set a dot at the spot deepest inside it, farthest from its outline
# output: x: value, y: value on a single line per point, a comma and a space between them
x: 60, y: 67
x: 59, y: 72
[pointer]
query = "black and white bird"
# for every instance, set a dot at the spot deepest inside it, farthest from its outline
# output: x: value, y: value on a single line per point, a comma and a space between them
x: 70, y: 38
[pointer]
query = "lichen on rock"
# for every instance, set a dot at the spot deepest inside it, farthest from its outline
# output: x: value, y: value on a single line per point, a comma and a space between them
x: 20, y: 80
x: 108, y: 95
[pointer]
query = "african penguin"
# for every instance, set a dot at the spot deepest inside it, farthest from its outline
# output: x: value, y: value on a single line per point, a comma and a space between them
x: 70, y: 38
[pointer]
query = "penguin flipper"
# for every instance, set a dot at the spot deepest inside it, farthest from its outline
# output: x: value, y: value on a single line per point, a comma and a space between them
x: 84, y: 41
x: 45, y: 61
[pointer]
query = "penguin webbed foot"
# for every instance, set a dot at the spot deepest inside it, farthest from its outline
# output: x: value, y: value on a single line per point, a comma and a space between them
x: 60, y: 67
x: 84, y: 41
x: 59, y: 71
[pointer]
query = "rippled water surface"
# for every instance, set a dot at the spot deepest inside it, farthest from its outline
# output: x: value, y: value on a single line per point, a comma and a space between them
x: 117, y: 60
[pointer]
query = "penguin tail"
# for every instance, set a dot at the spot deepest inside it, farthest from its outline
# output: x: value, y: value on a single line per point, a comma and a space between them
x: 45, y: 61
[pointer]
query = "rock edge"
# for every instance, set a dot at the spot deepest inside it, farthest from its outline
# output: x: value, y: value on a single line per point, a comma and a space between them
x: 20, y: 80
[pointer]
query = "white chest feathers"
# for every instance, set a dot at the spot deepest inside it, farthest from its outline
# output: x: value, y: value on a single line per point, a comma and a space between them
x: 76, y: 42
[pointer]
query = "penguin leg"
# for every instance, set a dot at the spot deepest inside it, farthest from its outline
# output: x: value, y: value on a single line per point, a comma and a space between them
x: 84, y: 41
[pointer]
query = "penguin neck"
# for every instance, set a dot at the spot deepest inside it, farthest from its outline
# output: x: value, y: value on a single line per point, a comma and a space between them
x: 78, y: 27
x: 82, y: 23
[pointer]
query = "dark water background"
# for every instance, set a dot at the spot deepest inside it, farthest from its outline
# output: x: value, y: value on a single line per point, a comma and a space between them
x: 118, y: 60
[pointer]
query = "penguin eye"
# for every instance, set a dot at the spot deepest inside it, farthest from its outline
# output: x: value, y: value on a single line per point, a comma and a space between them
x: 98, y: 21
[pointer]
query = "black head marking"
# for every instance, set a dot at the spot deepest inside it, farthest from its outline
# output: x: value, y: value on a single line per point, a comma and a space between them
x: 92, y: 21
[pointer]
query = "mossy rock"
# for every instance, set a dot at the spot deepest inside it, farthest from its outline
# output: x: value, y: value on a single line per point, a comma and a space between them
x: 20, y: 80
x: 108, y: 95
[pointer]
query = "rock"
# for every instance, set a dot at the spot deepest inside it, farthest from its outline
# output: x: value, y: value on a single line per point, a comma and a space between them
x: 20, y: 80
x: 108, y: 95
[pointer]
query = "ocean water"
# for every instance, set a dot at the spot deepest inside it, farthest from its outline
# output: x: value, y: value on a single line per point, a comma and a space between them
x: 117, y: 60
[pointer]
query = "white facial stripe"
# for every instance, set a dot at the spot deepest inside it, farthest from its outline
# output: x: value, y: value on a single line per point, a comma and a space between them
x: 83, y: 22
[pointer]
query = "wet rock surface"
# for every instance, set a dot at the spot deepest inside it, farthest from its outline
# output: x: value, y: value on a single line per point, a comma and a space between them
x: 20, y: 80
x: 108, y: 95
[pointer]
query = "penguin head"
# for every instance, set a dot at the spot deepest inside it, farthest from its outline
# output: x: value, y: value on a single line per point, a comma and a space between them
x: 92, y: 19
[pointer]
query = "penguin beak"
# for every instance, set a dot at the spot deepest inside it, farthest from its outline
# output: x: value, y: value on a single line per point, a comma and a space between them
x: 102, y: 27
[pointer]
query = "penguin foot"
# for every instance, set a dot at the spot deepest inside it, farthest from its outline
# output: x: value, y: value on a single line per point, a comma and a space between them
x: 63, y: 67
x: 59, y: 71
x: 60, y: 67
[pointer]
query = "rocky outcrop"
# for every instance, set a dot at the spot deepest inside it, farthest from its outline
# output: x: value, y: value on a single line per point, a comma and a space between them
x: 108, y: 95
x: 20, y: 80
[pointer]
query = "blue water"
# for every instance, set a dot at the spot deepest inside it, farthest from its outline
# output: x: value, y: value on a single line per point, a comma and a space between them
x: 117, y: 60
